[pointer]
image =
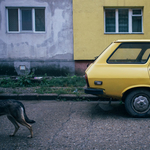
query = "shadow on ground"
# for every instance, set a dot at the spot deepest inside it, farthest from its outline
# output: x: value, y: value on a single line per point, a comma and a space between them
x: 107, y: 110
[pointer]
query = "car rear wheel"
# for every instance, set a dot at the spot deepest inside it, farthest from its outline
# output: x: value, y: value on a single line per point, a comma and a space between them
x: 137, y: 103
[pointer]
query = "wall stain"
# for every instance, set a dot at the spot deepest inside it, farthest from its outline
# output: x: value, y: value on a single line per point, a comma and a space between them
x: 57, y: 4
x: 7, y: 69
x: 56, y: 45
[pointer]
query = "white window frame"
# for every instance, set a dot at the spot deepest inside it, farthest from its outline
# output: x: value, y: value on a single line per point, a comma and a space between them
x: 20, y: 20
x: 130, y: 14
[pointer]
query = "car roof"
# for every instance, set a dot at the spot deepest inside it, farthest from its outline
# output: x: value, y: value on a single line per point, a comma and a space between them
x: 132, y: 40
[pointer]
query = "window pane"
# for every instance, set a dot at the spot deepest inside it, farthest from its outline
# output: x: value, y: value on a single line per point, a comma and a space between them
x: 110, y: 20
x: 131, y: 53
x: 27, y: 19
x: 136, y: 24
x: 39, y: 19
x: 13, y: 19
x: 137, y: 12
x: 146, y: 54
x: 123, y: 20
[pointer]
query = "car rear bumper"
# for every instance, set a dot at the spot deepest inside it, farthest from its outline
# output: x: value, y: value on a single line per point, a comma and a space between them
x: 93, y: 91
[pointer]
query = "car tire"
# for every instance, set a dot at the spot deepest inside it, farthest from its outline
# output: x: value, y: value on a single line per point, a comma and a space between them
x: 137, y: 103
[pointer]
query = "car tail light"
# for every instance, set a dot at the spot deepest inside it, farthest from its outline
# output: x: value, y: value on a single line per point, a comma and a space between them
x: 86, y: 78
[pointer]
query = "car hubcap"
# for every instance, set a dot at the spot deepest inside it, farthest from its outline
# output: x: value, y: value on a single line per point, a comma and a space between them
x: 141, y: 103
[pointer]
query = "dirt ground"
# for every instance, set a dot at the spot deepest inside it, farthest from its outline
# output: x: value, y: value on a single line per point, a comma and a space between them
x: 18, y: 90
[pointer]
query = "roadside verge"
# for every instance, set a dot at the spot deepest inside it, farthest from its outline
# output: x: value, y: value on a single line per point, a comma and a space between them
x: 50, y: 97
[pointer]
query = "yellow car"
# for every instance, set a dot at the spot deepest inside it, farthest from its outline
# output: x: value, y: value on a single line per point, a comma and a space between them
x: 122, y: 71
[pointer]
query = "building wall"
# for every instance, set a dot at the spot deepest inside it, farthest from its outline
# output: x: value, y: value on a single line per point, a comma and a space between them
x: 88, y: 25
x: 81, y: 65
x: 50, y: 52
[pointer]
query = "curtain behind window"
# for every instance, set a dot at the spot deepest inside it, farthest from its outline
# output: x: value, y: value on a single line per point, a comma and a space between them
x: 110, y: 20
x: 27, y: 19
x: 13, y: 19
x: 136, y: 24
x: 39, y: 19
x: 123, y: 20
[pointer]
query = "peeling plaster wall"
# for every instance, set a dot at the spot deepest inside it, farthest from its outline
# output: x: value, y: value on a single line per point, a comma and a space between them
x: 40, y: 50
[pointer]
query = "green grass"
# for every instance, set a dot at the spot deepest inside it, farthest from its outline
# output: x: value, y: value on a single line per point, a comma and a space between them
x: 16, y: 92
x: 60, y: 90
x: 1, y: 92
x: 27, y: 81
x: 59, y: 85
x: 65, y: 82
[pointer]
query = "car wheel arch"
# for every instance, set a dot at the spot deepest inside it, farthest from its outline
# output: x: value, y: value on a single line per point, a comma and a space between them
x: 125, y: 94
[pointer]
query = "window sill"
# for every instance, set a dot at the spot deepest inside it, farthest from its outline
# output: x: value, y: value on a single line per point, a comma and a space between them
x: 26, y: 32
x: 124, y: 33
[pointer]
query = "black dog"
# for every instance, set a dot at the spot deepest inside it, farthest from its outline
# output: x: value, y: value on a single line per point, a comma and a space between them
x: 15, y: 112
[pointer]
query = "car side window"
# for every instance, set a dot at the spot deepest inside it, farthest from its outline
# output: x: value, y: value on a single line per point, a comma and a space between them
x: 146, y: 55
x: 128, y: 53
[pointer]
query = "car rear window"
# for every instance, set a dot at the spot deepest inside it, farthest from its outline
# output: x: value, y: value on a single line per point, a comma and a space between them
x: 130, y: 53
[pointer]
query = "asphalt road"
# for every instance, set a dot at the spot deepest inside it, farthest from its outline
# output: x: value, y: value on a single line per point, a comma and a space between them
x: 77, y: 126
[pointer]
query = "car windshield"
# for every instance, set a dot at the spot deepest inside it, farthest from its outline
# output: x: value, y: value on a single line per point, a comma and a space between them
x: 131, y: 53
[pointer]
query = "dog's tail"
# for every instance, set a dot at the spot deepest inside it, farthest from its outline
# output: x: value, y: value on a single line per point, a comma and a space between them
x: 27, y: 119
x: 25, y: 115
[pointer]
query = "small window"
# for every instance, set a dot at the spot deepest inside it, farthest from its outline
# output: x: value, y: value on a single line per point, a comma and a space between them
x: 123, y: 20
x: 131, y: 53
x: 13, y: 20
x: 39, y: 20
x: 136, y: 21
x: 137, y: 11
x: 110, y: 20
x: 26, y: 19
x: 146, y: 55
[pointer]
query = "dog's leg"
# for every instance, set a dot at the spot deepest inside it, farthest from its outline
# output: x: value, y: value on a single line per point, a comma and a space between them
x: 24, y: 123
x: 14, y: 123
x: 20, y: 118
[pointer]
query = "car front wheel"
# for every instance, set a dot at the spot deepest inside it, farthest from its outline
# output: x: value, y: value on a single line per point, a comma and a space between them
x: 137, y: 103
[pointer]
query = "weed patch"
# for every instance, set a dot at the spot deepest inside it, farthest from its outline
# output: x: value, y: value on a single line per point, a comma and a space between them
x: 58, y: 85
x: 16, y: 92
x: 1, y: 92
x: 65, y: 82
x: 59, y: 90
x: 28, y: 81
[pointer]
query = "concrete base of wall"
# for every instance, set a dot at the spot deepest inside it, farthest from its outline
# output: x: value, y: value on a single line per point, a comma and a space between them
x: 40, y: 68
x: 51, y: 68
x: 81, y: 65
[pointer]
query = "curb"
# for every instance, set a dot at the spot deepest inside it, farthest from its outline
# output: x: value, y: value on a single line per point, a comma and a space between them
x: 51, y: 97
